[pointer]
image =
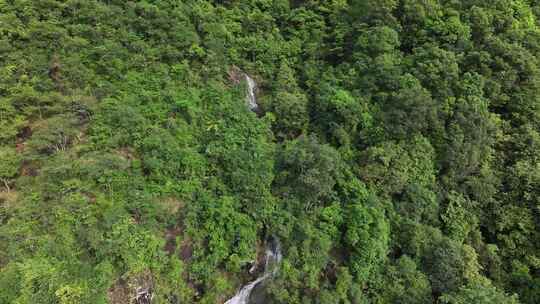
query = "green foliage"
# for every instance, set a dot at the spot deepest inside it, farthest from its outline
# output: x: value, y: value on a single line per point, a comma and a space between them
x: 457, y: 217
x: 404, y: 283
x: 391, y: 166
x: 449, y: 265
x: 10, y: 121
x: 54, y: 135
x: 10, y: 162
x: 479, y: 294
x: 308, y: 170
x: 366, y: 236
x: 395, y: 154
x: 289, y: 105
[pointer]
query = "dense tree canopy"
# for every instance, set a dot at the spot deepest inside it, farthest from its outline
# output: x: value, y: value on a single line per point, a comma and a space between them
x: 395, y: 154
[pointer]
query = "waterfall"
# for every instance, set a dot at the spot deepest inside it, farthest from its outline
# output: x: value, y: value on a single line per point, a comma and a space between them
x: 273, y: 249
x: 271, y: 267
x: 250, y: 97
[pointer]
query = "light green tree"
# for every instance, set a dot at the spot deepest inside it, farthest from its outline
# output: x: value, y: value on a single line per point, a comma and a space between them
x: 10, y: 161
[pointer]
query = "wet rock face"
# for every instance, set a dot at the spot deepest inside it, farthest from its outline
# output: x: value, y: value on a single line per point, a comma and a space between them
x: 272, y: 259
x: 259, y: 294
x: 236, y: 76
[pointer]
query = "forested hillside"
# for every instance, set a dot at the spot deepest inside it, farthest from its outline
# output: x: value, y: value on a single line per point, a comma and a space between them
x: 395, y: 153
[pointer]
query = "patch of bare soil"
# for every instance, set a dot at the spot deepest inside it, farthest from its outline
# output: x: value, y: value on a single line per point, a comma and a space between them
x: 28, y: 168
x: 170, y: 237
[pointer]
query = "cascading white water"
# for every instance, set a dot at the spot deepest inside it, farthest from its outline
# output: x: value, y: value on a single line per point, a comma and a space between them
x: 271, y: 267
x: 250, y: 97
x: 273, y: 250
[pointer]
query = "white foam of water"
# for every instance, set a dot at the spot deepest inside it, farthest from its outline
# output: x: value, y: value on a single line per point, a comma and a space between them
x: 251, y: 98
x: 271, y: 267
